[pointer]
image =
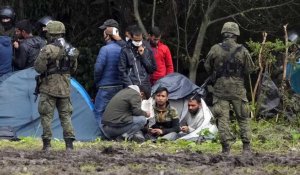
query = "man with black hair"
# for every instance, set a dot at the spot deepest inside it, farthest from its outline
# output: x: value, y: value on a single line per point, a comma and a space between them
x: 27, y: 47
x: 106, y: 72
x: 194, y: 118
x: 166, y: 117
x: 123, y: 116
x: 136, y: 62
x: 161, y: 54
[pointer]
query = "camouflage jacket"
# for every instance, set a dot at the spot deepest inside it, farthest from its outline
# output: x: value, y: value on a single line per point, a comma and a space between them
x: 166, y: 119
x: 54, y: 84
x: 229, y: 87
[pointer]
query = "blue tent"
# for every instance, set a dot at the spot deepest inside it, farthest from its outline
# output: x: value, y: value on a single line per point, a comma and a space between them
x: 18, y: 108
x: 293, y: 74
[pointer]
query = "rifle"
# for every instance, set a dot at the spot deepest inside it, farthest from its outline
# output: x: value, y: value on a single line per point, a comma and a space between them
x: 37, y: 87
x: 38, y: 79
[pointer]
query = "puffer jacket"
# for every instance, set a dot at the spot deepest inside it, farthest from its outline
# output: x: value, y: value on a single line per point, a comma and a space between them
x: 106, y: 67
x: 27, y: 52
x: 136, y: 69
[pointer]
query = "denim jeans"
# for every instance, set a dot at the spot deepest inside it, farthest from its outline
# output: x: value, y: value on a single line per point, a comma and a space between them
x: 127, y: 130
x: 104, y: 95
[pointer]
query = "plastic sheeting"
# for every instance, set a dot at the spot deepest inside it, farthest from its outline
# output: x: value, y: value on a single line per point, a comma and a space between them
x: 18, y: 108
x: 293, y: 74
x: 269, y: 97
x: 178, y: 86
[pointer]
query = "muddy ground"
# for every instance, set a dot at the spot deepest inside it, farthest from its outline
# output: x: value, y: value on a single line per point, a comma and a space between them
x: 119, y: 161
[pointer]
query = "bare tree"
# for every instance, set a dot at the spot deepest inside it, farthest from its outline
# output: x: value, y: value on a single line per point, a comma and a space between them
x: 239, y: 8
x: 138, y: 17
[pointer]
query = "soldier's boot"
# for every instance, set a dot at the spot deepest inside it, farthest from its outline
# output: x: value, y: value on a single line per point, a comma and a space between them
x: 69, y: 144
x: 246, y: 149
x: 46, y: 145
x: 226, y: 148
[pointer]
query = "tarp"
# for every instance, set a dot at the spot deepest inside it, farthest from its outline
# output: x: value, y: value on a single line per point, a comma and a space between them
x: 180, y: 88
x: 269, y: 96
x: 18, y: 108
x: 293, y: 74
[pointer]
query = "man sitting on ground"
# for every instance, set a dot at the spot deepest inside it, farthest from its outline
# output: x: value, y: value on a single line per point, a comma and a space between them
x: 123, y: 116
x: 196, y: 120
x: 166, y: 117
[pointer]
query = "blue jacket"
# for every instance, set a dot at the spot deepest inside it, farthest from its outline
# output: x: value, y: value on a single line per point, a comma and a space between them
x: 6, y: 55
x: 106, y: 72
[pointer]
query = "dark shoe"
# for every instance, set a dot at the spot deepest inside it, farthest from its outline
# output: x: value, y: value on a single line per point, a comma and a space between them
x: 247, y: 149
x: 226, y: 148
x: 138, y: 137
x: 69, y: 144
x: 46, y: 145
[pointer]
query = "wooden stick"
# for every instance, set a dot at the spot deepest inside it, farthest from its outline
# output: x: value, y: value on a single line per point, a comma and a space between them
x: 286, y: 55
x: 265, y: 34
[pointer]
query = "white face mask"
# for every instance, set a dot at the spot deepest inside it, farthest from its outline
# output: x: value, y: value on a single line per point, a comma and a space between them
x: 137, y: 43
x: 127, y: 39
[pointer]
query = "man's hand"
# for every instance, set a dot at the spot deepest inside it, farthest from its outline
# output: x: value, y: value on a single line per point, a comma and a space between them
x: 184, y: 129
x: 155, y: 131
x: 148, y: 114
x: 111, y: 31
x: 16, y: 44
x: 141, y: 50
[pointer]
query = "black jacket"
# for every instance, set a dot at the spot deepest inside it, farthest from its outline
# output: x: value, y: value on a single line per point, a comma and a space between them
x: 27, y: 52
x: 135, y: 69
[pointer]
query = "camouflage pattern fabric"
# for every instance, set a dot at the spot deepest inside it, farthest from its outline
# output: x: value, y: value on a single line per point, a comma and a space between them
x: 221, y: 113
x: 46, y: 108
x: 55, y: 90
x: 230, y: 90
x: 166, y: 115
x: 57, y: 85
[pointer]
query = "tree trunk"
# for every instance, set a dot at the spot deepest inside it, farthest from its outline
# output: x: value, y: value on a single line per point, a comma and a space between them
x: 193, y: 70
x: 194, y: 60
x: 138, y: 17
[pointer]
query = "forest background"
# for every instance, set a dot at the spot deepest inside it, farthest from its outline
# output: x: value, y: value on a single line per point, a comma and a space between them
x: 190, y: 27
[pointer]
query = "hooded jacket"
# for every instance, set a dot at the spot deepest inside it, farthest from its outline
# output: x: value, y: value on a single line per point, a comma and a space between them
x: 163, y: 60
x: 28, y: 51
x: 135, y: 69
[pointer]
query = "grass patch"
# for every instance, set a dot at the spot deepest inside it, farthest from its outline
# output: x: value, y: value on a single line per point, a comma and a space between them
x: 267, y: 136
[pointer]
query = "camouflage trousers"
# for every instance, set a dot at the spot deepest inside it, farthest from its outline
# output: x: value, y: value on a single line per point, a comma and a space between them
x: 221, y: 110
x: 46, y: 109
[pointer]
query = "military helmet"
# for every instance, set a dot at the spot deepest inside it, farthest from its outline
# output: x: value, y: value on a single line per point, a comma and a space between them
x: 231, y: 27
x: 45, y: 20
x: 7, y: 12
x: 55, y: 27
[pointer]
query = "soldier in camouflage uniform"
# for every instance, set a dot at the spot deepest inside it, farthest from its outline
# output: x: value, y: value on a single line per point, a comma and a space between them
x: 55, y: 62
x: 229, y: 62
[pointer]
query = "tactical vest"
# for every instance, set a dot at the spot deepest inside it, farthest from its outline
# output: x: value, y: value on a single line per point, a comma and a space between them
x: 61, y: 65
x: 231, y: 67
